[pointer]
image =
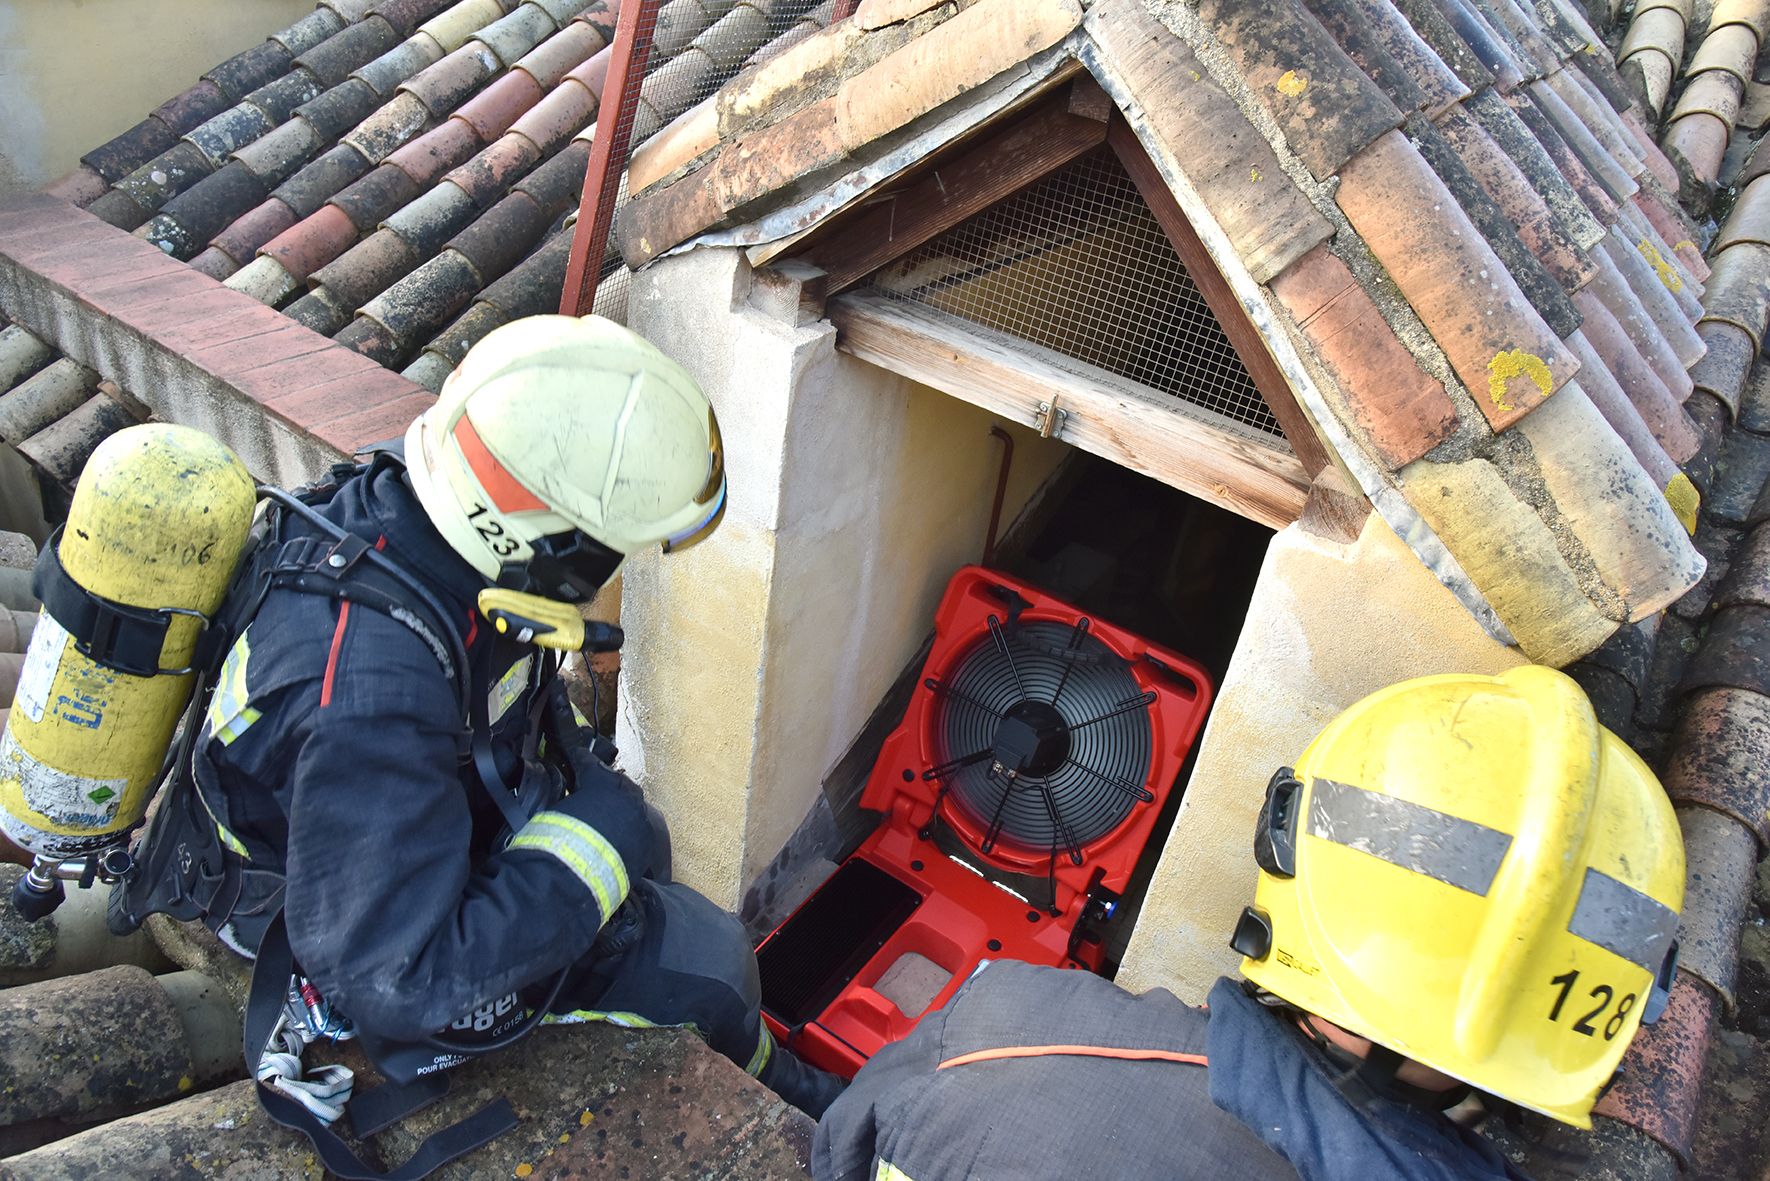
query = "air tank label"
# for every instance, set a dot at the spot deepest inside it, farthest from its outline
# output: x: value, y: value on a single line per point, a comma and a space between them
x: 38, y: 672
x: 68, y: 803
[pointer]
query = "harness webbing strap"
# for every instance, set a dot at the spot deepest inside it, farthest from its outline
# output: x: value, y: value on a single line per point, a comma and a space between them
x: 1133, y: 1054
x: 270, y: 975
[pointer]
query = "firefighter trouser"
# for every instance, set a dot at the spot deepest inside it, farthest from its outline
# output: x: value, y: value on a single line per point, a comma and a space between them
x: 692, y: 965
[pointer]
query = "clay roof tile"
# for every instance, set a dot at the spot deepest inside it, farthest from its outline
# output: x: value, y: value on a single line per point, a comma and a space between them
x: 308, y: 190
x: 241, y: 240
x: 491, y: 112
x: 310, y: 30
x: 249, y: 69
x: 549, y: 61
x: 366, y: 270
x: 442, y: 87
x: 332, y: 61
x: 312, y: 242
x: 1325, y: 105
x: 1506, y: 355
x: 1739, y: 288
x: 372, y: 198
x: 1749, y: 220
x: 1726, y: 364
x: 516, y: 34
x: 339, y: 109
x: 193, y: 217
x: 435, y: 152
x: 489, y: 174
x: 385, y: 73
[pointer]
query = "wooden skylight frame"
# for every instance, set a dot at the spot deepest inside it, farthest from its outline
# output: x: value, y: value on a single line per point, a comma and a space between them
x: 1157, y: 435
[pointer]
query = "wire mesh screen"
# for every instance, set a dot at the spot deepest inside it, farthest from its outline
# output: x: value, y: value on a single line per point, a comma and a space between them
x: 699, y: 45
x: 1078, y: 264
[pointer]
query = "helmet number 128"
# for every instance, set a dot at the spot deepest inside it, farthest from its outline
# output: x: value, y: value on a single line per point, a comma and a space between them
x: 1603, y: 994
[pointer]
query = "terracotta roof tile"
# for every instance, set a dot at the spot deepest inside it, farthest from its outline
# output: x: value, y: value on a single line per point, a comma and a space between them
x: 1754, y: 13
x: 1738, y: 291
x: 1733, y: 655
x: 308, y: 190
x: 370, y: 199
x: 1664, y: 351
x: 1437, y: 84
x: 384, y: 75
x: 1485, y: 43
x: 1749, y: 581
x: 227, y: 131
x: 1700, y: 142
x: 1743, y: 470
x: 1749, y: 220
x: 1521, y: 34
x: 246, y: 71
x: 1402, y: 411
x: 1664, y: 308
x: 1675, y: 234
x: 1591, y: 191
x: 486, y: 177
x: 1709, y: 416
x: 433, y: 217
x: 1270, y: 223
x: 1507, y: 356
x: 1722, y: 757
x: 549, y: 62
x: 80, y: 186
x: 363, y: 271
x: 1326, y: 107
x: 313, y: 242
x: 526, y: 26
x: 1524, y: 210
x: 276, y: 156
x: 279, y: 99
x: 491, y: 112
x: 1620, y: 412
x: 438, y: 89
x: 1721, y: 856
x: 394, y: 123
x: 332, y: 62
x: 340, y: 108
x: 500, y: 239
x: 319, y: 311
x: 116, y: 208
x: 1723, y: 369
x: 567, y: 109
x: 1658, y: 408
x: 1733, y: 48
x: 555, y: 184
x: 1596, y: 158
x: 452, y: 344
x: 369, y: 337
x: 435, y: 152
x: 1625, y: 522
x: 310, y: 30
x: 1715, y: 541
x: 214, y: 263
x: 1571, y: 216
x: 159, y: 180
x: 185, y: 110
x: 1754, y: 406
x: 456, y: 24
x: 415, y: 308
x: 405, y: 15
x: 1659, y: 1088
x: 265, y: 280
x: 193, y: 217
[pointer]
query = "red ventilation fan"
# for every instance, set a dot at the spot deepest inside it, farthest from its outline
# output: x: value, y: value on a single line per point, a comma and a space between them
x: 1018, y: 794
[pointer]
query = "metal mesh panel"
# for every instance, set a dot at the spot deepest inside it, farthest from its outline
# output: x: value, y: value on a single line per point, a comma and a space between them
x: 1078, y: 264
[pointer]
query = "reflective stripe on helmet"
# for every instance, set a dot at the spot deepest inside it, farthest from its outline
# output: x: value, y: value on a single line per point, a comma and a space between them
x: 508, y: 495
x: 1621, y: 919
x: 1447, y: 848
x: 702, y: 529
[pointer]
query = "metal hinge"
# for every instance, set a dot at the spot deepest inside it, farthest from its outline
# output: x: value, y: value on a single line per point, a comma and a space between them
x: 1050, y: 419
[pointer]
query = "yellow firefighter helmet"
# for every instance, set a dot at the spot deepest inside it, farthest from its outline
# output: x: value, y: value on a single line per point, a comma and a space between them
x: 561, y: 445
x: 1474, y: 873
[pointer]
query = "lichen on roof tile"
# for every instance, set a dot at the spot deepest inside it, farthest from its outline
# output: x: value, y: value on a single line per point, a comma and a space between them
x: 1326, y: 106
x: 1501, y: 350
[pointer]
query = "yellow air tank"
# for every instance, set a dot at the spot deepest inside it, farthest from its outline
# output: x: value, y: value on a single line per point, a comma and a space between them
x: 158, y: 523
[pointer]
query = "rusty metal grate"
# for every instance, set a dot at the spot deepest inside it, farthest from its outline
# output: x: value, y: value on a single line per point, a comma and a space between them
x: 1078, y: 265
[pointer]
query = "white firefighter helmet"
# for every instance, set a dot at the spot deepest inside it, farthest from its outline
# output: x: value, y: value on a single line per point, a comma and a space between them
x: 561, y: 445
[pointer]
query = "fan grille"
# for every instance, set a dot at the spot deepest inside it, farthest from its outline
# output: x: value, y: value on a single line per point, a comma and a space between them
x: 1051, y: 733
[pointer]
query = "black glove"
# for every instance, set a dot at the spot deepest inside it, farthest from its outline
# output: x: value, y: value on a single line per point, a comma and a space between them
x: 601, y: 796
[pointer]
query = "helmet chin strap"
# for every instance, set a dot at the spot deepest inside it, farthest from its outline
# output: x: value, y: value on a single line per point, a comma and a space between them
x: 1367, y: 1077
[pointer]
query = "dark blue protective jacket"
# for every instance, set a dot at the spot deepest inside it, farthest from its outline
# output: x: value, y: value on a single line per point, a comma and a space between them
x: 1034, y: 1072
x: 333, y: 751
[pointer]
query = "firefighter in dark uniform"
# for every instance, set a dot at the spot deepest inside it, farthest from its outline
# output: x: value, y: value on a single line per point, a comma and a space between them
x: 1466, y: 884
x: 441, y: 872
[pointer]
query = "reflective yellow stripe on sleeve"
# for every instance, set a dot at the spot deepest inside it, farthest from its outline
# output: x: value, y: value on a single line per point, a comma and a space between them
x: 890, y: 1172
x: 230, y: 714
x: 764, y: 1051
x: 582, y: 850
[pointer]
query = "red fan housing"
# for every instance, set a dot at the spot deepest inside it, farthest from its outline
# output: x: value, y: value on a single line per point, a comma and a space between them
x: 1018, y: 794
